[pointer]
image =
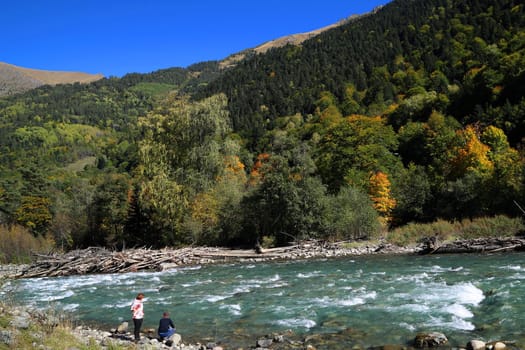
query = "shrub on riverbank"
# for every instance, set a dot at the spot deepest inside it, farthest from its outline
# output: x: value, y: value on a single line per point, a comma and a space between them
x: 18, y: 243
x: 497, y: 226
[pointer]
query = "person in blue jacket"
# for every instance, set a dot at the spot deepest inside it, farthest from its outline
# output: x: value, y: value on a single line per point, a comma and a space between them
x: 166, y: 326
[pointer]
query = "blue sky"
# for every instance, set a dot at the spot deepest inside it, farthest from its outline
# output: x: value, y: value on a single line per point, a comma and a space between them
x: 115, y: 37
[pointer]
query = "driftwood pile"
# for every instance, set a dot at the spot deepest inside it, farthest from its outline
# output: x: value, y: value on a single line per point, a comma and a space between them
x: 101, y: 260
x: 480, y: 245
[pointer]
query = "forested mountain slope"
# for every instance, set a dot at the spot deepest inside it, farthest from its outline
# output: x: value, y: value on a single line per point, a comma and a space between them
x: 469, y: 51
x: 413, y: 113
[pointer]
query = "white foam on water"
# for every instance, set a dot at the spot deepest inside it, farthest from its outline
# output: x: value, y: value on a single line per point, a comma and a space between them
x: 266, y: 281
x: 358, y: 299
x: 274, y: 278
x: 190, y: 268
x: 420, y: 308
x: 512, y: 268
x: 351, y: 302
x: 439, y: 269
x: 71, y: 307
x: 309, y: 274
x: 379, y: 273
x: 416, y: 278
x: 459, y: 311
x: 461, y: 324
x: 467, y: 293
x: 297, y: 323
x: 463, y: 293
x: 65, y: 295
x: 277, y: 285
x: 245, y: 288
x: 216, y: 298
x: 122, y: 304
x: 321, y: 302
x: 408, y: 326
x: 234, y: 309
x: 455, y: 323
x: 518, y: 276
x: 196, y: 283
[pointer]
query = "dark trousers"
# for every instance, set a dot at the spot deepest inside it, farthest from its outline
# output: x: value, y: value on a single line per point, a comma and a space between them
x: 137, y: 322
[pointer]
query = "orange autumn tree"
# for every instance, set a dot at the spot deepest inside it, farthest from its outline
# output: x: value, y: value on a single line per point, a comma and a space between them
x: 256, y: 172
x: 381, y: 195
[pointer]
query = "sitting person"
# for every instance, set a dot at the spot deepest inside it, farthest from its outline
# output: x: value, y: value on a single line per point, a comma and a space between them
x: 166, y: 326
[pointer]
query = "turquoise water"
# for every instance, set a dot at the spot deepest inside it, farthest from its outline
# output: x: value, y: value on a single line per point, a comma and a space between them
x: 367, y: 301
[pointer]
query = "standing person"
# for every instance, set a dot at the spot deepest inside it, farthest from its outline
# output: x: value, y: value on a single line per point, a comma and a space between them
x: 137, y: 310
x: 166, y: 326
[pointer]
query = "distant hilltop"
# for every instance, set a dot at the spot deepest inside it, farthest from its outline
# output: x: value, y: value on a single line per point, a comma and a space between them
x: 292, y: 39
x: 15, y: 79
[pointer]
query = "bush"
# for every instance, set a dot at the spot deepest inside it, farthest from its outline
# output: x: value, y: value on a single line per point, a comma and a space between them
x: 18, y: 243
x: 351, y: 216
x: 497, y: 226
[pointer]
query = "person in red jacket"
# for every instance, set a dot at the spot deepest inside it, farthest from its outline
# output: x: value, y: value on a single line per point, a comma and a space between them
x: 137, y: 310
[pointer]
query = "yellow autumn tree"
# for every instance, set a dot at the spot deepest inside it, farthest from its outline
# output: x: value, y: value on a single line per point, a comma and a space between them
x: 381, y: 195
x: 34, y: 213
x: 213, y: 214
x: 471, y: 155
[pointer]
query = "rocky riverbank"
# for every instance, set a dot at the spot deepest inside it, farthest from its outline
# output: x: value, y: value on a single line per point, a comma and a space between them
x: 23, y: 328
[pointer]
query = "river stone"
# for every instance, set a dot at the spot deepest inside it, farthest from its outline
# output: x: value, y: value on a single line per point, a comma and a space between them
x: 264, y: 343
x: 6, y: 337
x: 20, y: 322
x: 123, y: 327
x: 278, y: 338
x: 430, y: 340
x: 476, y: 345
x: 498, y: 346
x: 174, y: 340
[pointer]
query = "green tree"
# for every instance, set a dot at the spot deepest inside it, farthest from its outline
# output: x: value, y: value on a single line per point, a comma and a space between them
x: 413, y: 193
x: 181, y: 157
x: 350, y: 150
x: 108, y: 211
x: 506, y: 181
x: 283, y: 206
x: 350, y: 215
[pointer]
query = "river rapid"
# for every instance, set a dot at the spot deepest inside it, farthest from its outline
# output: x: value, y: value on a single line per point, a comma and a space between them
x: 344, y: 302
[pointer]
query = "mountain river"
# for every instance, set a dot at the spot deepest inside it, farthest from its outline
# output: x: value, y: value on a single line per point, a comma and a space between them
x: 363, y: 300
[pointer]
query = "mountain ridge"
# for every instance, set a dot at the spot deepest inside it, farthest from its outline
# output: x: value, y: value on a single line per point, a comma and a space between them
x: 15, y: 79
x: 292, y: 39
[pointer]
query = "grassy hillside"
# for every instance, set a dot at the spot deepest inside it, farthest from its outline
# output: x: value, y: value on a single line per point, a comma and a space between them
x: 15, y: 79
